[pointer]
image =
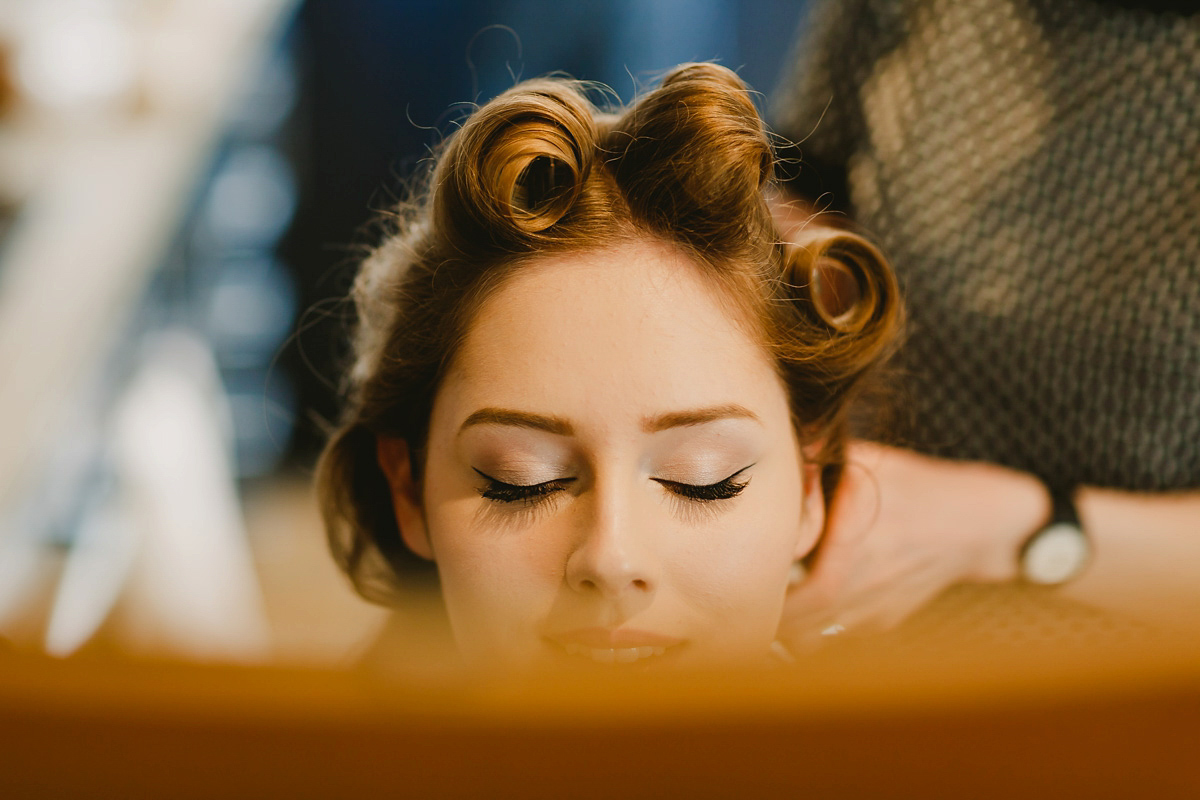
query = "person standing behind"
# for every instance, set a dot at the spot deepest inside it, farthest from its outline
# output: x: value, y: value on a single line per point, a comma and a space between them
x: 1032, y: 169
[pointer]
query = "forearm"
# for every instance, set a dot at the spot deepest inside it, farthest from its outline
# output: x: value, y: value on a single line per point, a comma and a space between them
x: 1145, y: 559
x: 1145, y: 555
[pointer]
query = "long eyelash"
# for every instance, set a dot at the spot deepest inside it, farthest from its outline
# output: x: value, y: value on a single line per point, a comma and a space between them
x: 721, y: 490
x: 519, y: 493
x: 532, y: 494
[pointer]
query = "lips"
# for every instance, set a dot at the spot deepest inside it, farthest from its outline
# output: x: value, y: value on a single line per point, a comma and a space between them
x: 614, y: 646
x: 614, y: 655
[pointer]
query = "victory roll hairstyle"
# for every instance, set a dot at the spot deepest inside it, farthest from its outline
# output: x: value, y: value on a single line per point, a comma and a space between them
x: 541, y: 170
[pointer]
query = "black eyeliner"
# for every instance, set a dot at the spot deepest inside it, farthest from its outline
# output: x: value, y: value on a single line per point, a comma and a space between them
x: 724, y: 489
x: 518, y: 492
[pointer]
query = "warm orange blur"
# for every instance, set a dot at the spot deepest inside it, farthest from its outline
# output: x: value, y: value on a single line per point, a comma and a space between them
x: 861, y: 724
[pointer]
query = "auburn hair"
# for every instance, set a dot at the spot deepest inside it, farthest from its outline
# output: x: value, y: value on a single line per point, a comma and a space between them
x: 540, y: 169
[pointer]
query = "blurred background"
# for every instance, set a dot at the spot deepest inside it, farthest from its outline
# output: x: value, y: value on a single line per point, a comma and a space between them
x: 185, y: 189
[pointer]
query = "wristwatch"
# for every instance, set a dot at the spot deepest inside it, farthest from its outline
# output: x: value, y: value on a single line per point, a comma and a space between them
x: 1061, y: 549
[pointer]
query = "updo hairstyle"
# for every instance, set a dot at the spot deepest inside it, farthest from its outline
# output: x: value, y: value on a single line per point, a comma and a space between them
x: 541, y: 170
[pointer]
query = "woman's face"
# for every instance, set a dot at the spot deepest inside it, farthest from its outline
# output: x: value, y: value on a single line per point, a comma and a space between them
x: 612, y: 472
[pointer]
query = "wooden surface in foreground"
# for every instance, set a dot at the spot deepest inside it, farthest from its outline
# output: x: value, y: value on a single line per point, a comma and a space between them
x: 1118, y: 723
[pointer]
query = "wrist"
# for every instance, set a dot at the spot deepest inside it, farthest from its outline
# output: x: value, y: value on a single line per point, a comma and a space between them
x: 1023, y: 506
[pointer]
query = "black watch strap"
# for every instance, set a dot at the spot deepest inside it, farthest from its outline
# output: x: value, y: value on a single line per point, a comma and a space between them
x: 1063, y: 510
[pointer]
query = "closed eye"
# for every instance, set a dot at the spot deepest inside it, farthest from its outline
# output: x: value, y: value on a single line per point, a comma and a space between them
x: 529, y: 494
x: 703, y: 493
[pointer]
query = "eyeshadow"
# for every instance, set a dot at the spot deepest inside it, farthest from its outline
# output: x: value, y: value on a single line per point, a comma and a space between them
x: 519, y: 456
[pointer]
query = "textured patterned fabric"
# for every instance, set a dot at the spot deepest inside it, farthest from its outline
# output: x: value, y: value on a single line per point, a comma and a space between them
x: 993, y: 619
x: 1032, y: 168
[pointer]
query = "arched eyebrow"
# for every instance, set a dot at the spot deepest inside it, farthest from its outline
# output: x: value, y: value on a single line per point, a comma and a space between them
x: 518, y: 419
x: 697, y: 416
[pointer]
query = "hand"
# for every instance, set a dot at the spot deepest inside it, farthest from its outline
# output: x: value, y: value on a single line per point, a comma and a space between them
x: 903, y: 527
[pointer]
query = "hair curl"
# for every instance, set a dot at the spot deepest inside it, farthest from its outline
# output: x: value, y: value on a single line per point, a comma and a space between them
x: 540, y: 169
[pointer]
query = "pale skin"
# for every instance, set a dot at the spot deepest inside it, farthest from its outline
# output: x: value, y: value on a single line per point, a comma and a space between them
x: 675, y: 495
x: 903, y: 527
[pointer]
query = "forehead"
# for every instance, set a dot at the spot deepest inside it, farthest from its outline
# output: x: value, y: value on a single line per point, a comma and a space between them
x: 635, y: 329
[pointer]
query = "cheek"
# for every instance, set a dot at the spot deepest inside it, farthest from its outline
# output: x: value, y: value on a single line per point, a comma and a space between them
x: 737, y: 571
x: 496, y: 576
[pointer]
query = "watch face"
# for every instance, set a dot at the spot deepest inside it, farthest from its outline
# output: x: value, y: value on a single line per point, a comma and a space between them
x: 1056, y: 554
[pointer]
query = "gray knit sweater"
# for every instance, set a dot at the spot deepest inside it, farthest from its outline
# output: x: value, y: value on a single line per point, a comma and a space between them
x: 1032, y: 168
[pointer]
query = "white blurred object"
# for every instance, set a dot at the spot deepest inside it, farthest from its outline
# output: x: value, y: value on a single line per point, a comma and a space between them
x: 99, y: 207
x: 95, y: 223
x: 78, y: 55
x: 193, y: 588
x: 60, y: 509
x: 97, y: 568
x: 182, y: 67
x: 195, y: 576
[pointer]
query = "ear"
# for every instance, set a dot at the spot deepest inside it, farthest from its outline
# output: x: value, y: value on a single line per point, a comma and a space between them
x: 812, y: 515
x: 396, y: 462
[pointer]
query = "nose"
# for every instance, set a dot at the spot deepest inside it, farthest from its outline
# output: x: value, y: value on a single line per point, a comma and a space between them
x: 613, y: 557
